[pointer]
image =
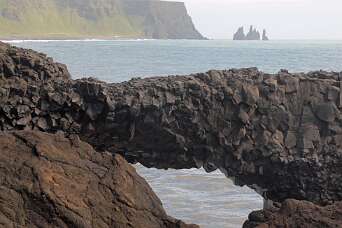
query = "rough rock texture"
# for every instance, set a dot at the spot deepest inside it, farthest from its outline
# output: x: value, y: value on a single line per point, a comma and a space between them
x: 52, y: 181
x: 279, y: 134
x: 28, y: 65
x: 294, y: 214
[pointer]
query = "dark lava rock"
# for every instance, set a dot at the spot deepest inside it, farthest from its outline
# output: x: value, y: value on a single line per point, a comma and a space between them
x: 279, y: 133
x: 29, y: 65
x: 52, y: 181
x: 295, y: 214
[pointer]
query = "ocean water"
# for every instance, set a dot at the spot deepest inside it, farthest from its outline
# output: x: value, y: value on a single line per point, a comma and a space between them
x: 116, y: 61
x: 208, y: 199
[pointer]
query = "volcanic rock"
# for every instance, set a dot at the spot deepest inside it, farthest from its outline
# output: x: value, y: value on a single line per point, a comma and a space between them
x: 294, y: 213
x: 52, y: 181
x: 28, y: 65
x: 277, y: 133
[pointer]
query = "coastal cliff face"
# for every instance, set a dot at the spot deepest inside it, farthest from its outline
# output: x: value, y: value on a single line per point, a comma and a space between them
x: 280, y: 134
x: 161, y: 19
x: 95, y: 19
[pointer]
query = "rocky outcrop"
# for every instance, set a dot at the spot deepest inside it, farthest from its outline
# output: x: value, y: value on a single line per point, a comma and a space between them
x: 279, y: 134
x: 294, y: 213
x: 63, y: 19
x: 52, y: 181
x: 29, y: 65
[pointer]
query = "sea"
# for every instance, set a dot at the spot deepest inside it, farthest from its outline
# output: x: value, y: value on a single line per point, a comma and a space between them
x: 208, y: 199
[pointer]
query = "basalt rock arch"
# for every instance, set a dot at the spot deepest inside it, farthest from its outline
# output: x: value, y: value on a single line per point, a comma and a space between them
x: 280, y: 134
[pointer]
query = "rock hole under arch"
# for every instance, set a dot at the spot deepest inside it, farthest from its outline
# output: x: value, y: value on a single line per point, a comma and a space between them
x: 208, y: 199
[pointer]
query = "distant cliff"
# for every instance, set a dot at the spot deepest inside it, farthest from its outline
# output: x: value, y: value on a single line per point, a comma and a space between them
x: 253, y: 34
x: 95, y: 19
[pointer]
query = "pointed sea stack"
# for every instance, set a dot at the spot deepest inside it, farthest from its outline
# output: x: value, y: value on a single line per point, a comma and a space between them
x: 240, y: 34
x: 264, y: 36
x: 253, y: 34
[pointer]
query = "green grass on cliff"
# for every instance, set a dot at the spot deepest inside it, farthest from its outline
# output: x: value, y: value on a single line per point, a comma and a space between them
x: 36, y: 20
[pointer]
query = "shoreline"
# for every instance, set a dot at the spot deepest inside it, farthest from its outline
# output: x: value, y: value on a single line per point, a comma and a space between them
x: 91, y: 40
x: 67, y: 40
x: 87, y: 39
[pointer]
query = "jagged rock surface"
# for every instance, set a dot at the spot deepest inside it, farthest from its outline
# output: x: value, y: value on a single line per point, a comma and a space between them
x: 28, y: 65
x: 279, y: 134
x: 294, y: 214
x: 52, y: 181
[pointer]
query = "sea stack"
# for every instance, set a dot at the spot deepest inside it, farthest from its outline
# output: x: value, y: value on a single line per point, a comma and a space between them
x: 253, y: 34
x: 264, y: 36
x: 240, y: 34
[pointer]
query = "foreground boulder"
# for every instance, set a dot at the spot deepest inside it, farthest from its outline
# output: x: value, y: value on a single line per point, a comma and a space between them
x: 294, y: 214
x: 52, y: 181
x: 279, y: 133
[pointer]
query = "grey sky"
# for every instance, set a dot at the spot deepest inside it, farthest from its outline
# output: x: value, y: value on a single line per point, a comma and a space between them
x: 283, y: 19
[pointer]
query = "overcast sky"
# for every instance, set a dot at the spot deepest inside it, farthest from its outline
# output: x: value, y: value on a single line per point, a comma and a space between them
x: 283, y: 19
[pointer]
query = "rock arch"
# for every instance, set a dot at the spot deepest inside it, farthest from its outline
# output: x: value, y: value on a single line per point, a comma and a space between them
x: 279, y: 134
